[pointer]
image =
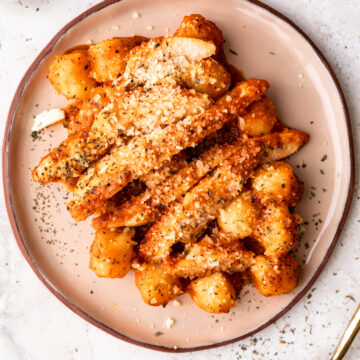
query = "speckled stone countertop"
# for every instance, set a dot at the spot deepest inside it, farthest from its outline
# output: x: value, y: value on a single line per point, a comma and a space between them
x: 35, y: 325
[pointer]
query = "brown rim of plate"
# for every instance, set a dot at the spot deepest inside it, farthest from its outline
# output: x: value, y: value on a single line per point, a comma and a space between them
x: 68, y: 302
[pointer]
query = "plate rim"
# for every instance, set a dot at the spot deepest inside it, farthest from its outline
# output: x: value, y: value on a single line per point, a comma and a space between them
x: 70, y: 304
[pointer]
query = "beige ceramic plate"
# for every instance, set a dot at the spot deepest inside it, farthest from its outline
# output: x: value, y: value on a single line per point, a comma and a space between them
x: 306, y: 95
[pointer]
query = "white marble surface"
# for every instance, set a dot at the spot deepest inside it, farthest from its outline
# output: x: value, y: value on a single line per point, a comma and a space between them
x: 35, y: 325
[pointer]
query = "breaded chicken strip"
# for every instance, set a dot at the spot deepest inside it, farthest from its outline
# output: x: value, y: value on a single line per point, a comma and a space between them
x: 211, y: 254
x: 168, y: 168
x: 189, y: 216
x: 177, y: 60
x: 131, y: 113
x: 151, y: 180
x: 146, y: 207
x: 127, y: 163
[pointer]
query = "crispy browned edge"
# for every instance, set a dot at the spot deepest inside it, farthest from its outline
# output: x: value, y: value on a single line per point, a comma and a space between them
x: 21, y: 242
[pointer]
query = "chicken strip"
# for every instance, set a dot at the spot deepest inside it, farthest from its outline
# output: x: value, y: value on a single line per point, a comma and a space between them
x: 127, y: 163
x: 177, y: 60
x: 213, y: 253
x: 147, y: 207
x: 131, y: 113
x: 168, y: 168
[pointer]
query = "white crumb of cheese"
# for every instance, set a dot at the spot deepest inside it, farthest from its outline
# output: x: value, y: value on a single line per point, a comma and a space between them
x: 176, y: 303
x: 103, y: 169
x: 116, y: 27
x: 212, y: 81
x: 169, y: 322
x: 149, y: 27
x: 136, y: 15
x: 47, y: 118
x: 241, y: 123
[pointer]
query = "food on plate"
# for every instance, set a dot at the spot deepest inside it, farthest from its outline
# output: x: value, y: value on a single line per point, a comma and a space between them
x: 240, y: 216
x: 217, y: 252
x: 111, y: 252
x: 277, y: 183
x: 129, y: 113
x: 275, y: 276
x: 147, y: 206
x: 70, y: 75
x: 48, y: 117
x: 189, y: 216
x: 109, y: 57
x: 277, y: 230
x: 177, y: 60
x: 213, y: 293
x: 259, y: 119
x: 197, y: 27
x: 181, y: 162
x: 141, y: 154
x: 81, y: 114
x: 155, y: 286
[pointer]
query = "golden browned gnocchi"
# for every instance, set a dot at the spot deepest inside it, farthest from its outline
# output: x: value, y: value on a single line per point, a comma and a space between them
x: 111, y: 252
x: 275, y: 276
x: 214, y: 293
x: 109, y: 57
x: 276, y: 182
x: 156, y: 287
x: 196, y: 26
x: 239, y: 218
x: 210, y: 78
x: 70, y: 74
x: 276, y: 230
x: 260, y: 118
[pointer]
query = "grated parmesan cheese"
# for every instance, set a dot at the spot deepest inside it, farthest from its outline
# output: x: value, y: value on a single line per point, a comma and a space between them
x: 176, y: 303
x: 241, y: 123
x: 169, y: 322
x: 212, y: 81
x: 47, y: 118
